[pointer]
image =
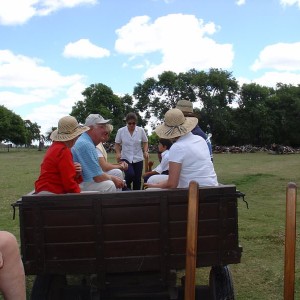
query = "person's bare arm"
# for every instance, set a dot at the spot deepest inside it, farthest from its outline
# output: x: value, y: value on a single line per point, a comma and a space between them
x: 116, y: 180
x: 145, y: 149
x: 12, y: 277
x: 107, y: 166
x: 118, y: 151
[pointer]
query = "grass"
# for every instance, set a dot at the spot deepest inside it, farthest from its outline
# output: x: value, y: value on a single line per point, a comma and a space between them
x: 262, y: 177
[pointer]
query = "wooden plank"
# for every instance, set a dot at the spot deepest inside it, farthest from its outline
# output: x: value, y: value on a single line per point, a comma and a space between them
x: 136, y: 234
x: 290, y: 242
x: 191, y: 241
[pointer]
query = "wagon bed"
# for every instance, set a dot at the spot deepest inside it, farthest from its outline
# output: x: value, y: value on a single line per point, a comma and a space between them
x: 132, y: 243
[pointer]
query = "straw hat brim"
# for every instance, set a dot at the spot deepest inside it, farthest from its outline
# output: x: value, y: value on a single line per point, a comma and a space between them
x: 62, y: 137
x: 169, y: 132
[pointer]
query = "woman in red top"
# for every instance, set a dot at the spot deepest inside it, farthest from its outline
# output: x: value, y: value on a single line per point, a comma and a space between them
x: 59, y: 174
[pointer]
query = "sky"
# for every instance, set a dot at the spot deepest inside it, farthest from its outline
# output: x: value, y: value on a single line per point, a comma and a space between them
x: 51, y: 50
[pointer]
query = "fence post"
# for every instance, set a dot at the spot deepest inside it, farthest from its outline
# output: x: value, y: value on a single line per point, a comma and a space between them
x: 290, y: 241
x: 191, y: 241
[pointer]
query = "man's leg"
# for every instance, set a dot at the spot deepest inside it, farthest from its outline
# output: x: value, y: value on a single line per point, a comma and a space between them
x: 12, y: 277
x: 106, y: 186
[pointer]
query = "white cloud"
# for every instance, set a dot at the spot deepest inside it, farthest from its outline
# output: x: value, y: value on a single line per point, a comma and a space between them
x: 290, y: 2
x: 240, y: 2
x: 281, y: 57
x: 23, y: 81
x: 48, y: 115
x: 83, y: 48
x: 272, y: 78
x: 182, y: 41
x: 16, y: 12
x: 19, y: 71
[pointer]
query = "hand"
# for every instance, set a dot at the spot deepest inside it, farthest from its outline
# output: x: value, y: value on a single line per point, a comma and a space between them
x: 78, y: 168
x: 118, y: 157
x: 124, y: 165
x: 118, y: 182
x: 150, y: 185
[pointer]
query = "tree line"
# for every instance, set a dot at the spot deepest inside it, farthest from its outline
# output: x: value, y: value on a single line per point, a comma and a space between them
x: 233, y: 114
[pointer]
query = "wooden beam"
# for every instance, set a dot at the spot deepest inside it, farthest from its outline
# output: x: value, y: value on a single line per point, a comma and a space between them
x: 290, y: 242
x: 191, y: 241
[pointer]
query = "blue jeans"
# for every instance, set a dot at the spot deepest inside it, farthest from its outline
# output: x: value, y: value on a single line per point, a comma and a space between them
x: 133, y: 174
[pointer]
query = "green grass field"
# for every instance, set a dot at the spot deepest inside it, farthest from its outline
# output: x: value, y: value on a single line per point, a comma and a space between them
x: 261, y: 176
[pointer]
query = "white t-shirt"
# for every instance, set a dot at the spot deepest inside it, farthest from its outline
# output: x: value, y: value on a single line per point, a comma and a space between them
x: 131, y: 144
x: 192, y: 153
x: 164, y: 164
x: 101, y: 151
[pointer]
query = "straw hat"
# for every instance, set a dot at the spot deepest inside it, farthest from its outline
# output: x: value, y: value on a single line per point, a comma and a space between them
x: 185, y: 106
x: 68, y: 129
x: 175, y: 124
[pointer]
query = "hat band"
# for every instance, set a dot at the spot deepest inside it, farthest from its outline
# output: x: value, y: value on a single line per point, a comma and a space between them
x: 180, y: 128
x: 69, y: 132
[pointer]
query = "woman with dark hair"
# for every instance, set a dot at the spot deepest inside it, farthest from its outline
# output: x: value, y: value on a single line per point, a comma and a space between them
x: 131, y: 146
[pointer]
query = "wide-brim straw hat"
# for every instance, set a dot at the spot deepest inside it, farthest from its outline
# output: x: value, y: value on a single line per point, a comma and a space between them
x: 185, y: 106
x: 68, y: 129
x: 175, y: 124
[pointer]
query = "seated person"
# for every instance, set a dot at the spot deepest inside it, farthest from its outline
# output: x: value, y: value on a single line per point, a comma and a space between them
x: 84, y: 152
x: 162, y: 169
x: 189, y: 157
x: 59, y: 174
x: 109, y: 168
x: 186, y: 107
x: 12, y: 276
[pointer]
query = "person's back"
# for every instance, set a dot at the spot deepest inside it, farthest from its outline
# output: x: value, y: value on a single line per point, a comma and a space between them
x: 192, y: 152
x: 59, y: 174
x: 186, y: 107
x: 189, y: 158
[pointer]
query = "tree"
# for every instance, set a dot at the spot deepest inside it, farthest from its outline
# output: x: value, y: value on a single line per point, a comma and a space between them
x: 254, y: 116
x: 12, y: 127
x: 213, y: 91
x: 48, y: 134
x: 32, y: 132
x: 286, y: 105
x: 216, y: 90
x: 100, y: 99
x: 156, y: 97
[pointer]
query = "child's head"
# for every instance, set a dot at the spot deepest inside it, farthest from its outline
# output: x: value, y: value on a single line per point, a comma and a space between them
x: 164, y: 144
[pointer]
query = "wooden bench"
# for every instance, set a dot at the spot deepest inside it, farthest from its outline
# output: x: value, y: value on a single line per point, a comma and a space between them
x: 132, y: 243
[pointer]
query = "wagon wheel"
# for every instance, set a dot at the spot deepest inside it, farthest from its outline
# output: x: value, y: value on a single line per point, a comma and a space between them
x: 220, y: 283
x: 48, y: 287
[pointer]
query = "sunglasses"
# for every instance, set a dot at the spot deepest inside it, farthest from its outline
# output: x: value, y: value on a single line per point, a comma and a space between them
x: 131, y: 123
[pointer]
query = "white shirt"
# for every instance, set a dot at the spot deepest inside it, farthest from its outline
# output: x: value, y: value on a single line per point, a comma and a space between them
x: 131, y: 144
x: 192, y: 153
x: 164, y: 164
x: 101, y: 151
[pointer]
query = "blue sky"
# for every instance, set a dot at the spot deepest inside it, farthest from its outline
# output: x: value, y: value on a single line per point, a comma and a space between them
x: 51, y: 50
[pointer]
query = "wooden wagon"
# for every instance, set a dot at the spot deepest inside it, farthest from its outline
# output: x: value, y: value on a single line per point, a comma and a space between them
x: 127, y: 245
